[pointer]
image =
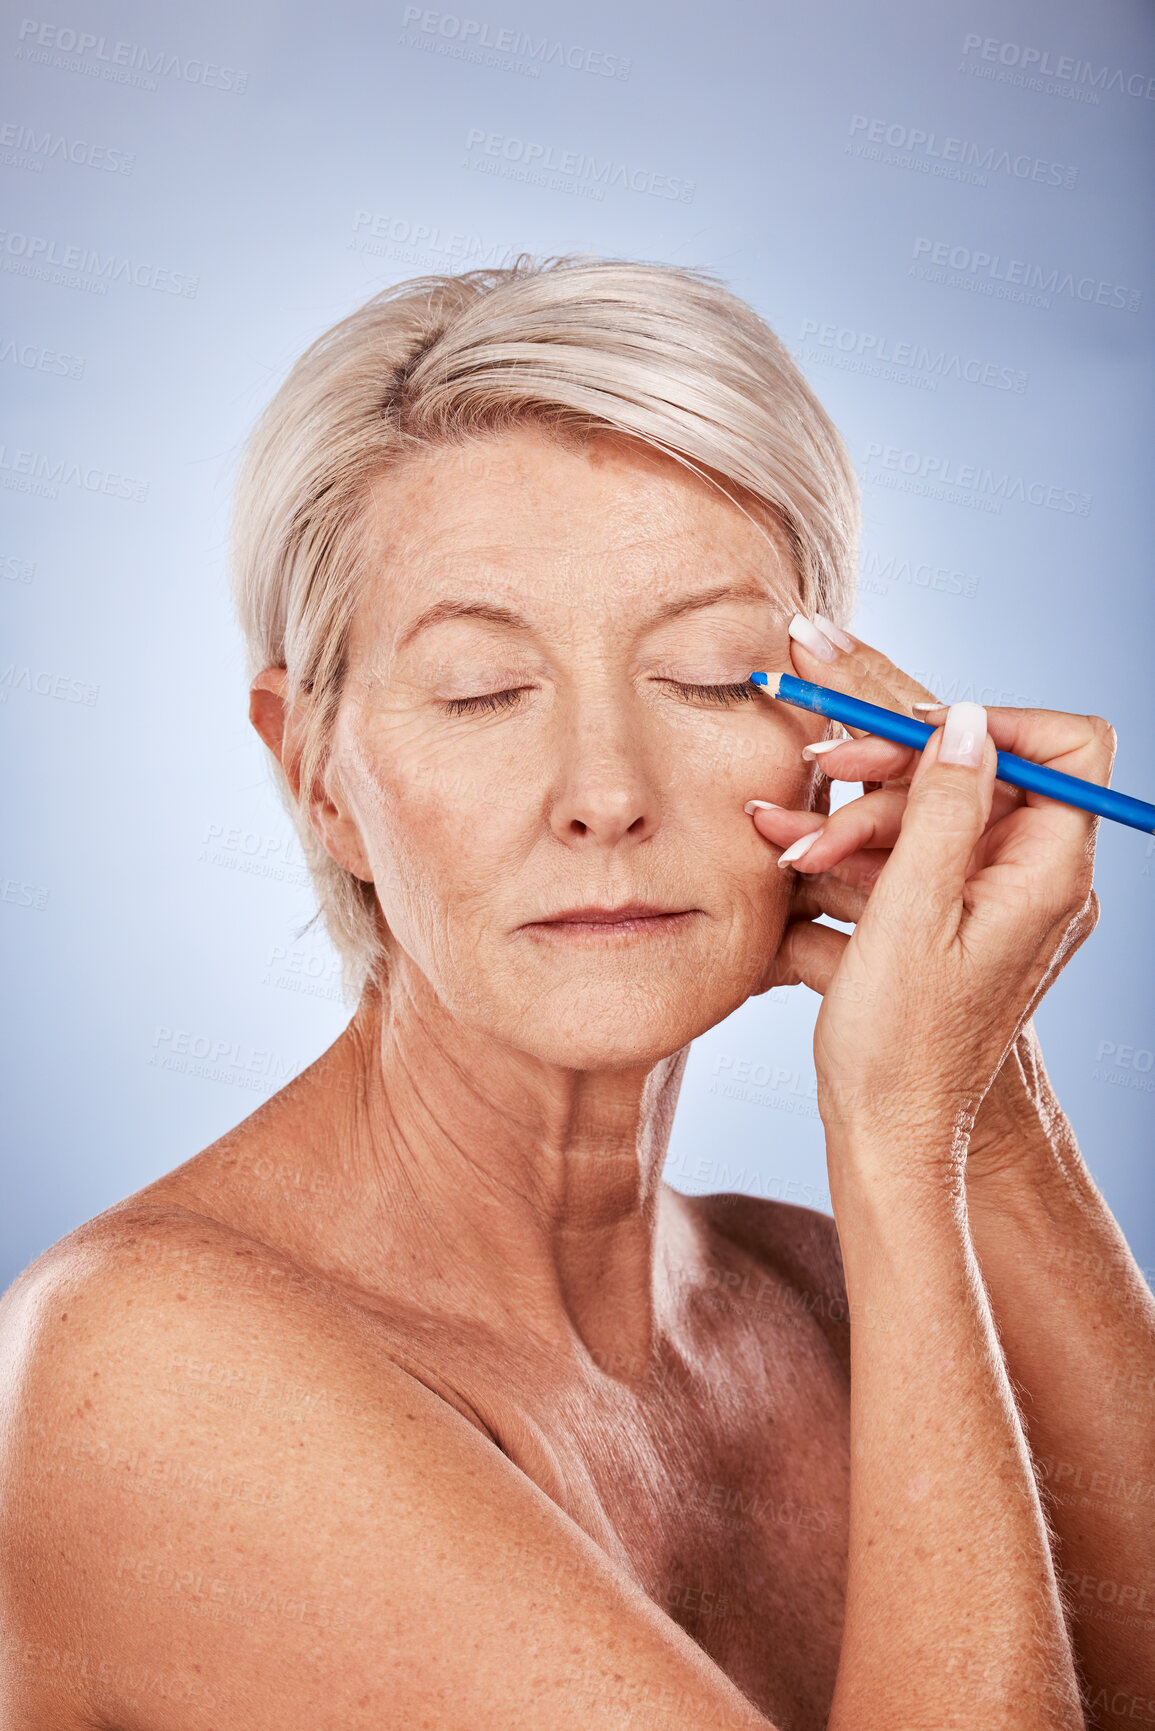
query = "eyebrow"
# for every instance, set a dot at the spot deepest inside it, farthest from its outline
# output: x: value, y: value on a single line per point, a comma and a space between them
x: 497, y: 615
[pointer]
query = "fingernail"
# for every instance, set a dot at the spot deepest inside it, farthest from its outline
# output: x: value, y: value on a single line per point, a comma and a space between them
x: 810, y: 752
x: 811, y: 638
x: 753, y: 805
x: 799, y: 847
x: 834, y: 632
x: 928, y: 706
x: 964, y: 735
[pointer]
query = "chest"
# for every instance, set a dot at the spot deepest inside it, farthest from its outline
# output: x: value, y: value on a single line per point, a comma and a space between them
x: 720, y: 1483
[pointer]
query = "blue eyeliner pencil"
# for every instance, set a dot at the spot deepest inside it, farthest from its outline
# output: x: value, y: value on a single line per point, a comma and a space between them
x: 904, y: 730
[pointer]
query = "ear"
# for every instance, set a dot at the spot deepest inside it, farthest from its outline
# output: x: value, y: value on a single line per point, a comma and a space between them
x: 281, y: 724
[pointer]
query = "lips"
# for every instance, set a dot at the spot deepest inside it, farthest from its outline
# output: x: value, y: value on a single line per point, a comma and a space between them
x: 629, y: 913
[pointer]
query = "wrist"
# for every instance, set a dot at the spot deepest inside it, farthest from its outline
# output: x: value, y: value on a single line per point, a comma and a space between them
x: 911, y: 1156
x: 906, y: 1254
x: 1022, y: 1142
x: 888, y: 1182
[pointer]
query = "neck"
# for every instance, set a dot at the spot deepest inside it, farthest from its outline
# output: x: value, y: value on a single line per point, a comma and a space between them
x: 492, y: 1183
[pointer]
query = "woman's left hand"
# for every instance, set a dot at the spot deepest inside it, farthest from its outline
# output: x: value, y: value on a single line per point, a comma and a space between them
x: 837, y: 871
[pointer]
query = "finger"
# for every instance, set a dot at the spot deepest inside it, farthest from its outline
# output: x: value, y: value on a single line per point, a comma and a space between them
x: 829, y: 894
x: 807, y: 956
x: 854, y: 840
x: 864, y: 757
x: 782, y: 827
x: 1082, y: 745
x: 947, y: 808
x: 1076, y: 744
x: 860, y: 671
x: 869, y: 823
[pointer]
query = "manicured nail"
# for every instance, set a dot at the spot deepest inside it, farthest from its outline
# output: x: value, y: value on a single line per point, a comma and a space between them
x: 810, y: 752
x: 811, y: 638
x: 964, y: 735
x: 834, y: 632
x: 753, y: 805
x: 799, y: 847
x: 929, y: 706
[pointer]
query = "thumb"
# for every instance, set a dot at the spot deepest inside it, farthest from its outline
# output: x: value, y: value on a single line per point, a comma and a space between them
x: 808, y: 955
x: 947, y: 809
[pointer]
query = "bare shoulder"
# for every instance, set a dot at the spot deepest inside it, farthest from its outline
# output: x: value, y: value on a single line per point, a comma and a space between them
x: 795, y: 1245
x: 222, y: 1503
x: 802, y: 1242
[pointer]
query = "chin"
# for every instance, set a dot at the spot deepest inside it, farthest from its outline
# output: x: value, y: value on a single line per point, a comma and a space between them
x: 608, y: 1024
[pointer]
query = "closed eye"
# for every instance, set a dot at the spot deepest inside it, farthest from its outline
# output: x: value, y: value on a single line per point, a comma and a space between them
x: 743, y: 692
x: 489, y: 700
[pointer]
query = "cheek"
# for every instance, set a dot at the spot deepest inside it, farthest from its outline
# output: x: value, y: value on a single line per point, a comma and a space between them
x: 441, y: 837
x: 758, y: 761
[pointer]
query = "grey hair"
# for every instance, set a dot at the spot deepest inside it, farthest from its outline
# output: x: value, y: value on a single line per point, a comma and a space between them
x: 661, y: 353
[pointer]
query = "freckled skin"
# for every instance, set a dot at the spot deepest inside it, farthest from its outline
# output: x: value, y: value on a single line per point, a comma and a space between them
x: 483, y: 1146
x: 418, y: 1398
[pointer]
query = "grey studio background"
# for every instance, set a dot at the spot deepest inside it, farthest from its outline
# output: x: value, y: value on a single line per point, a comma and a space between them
x: 944, y: 211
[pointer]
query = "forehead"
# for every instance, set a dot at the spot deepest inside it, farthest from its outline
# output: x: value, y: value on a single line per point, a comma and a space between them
x: 530, y: 516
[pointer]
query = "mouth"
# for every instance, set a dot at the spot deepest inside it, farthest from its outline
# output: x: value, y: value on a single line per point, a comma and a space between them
x: 631, y: 919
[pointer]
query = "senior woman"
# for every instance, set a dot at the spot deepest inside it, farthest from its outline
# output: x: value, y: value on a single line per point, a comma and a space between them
x: 466, y: 1438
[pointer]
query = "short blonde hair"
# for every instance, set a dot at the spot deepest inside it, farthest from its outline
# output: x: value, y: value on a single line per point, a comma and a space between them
x: 663, y: 354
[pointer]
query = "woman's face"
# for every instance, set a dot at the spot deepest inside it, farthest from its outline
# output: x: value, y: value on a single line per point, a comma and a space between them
x: 522, y: 733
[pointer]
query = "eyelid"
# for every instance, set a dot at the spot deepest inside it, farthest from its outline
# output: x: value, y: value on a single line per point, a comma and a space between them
x: 719, y: 691
x: 483, y: 701
x: 731, y: 691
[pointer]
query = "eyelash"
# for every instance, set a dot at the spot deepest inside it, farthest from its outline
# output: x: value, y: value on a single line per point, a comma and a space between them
x: 491, y: 700
x: 743, y: 692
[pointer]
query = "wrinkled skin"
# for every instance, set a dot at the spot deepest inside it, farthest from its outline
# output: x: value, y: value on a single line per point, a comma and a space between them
x: 453, y: 1224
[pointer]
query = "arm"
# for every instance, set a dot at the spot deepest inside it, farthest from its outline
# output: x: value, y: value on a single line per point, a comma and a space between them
x: 1075, y: 1319
x: 959, y: 1612
x: 1077, y: 1324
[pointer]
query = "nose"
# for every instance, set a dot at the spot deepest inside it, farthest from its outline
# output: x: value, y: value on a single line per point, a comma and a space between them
x: 605, y: 792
